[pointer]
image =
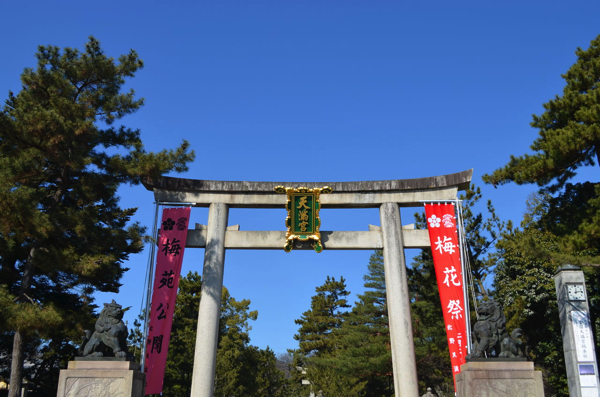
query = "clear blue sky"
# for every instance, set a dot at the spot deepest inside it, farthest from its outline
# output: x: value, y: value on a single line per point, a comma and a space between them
x: 384, y: 89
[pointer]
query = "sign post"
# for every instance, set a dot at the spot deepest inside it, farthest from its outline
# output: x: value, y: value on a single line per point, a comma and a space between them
x: 578, y: 343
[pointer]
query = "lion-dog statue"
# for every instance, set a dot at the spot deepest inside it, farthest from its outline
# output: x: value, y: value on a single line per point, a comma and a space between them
x: 110, y: 334
x: 490, y: 336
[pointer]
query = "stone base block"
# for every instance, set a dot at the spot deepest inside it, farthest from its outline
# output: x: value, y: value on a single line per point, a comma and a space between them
x: 499, y: 379
x: 101, y: 379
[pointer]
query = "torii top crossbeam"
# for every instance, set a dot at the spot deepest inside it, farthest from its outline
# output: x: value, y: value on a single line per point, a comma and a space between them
x: 363, y: 194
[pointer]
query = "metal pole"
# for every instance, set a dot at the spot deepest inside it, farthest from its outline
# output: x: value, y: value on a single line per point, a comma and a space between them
x: 149, y: 283
x: 464, y: 273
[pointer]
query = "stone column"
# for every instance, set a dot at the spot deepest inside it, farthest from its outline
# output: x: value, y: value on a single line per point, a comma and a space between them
x: 205, y: 355
x: 576, y: 330
x: 396, y: 282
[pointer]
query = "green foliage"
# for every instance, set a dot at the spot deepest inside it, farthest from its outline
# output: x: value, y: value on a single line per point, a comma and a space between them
x: 524, y: 281
x: 524, y: 285
x: 569, y: 137
x: 353, y: 351
x: 269, y: 380
x: 234, y: 376
x: 365, y: 353
x: 571, y: 217
x: 327, y: 382
x: 62, y: 159
x: 325, y: 316
x: 298, y: 366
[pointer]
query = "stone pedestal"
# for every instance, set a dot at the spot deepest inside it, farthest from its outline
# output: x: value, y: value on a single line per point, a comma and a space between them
x: 100, y: 378
x: 499, y: 379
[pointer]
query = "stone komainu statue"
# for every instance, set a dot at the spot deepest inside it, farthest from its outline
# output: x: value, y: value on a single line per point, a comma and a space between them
x: 110, y: 334
x: 490, y: 336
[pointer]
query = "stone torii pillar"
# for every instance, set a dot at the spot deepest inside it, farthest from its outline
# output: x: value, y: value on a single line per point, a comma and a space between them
x: 205, y: 354
x: 398, y: 302
x: 388, y: 196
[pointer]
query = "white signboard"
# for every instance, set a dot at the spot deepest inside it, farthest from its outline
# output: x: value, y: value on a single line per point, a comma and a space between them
x: 587, y: 375
x: 583, y: 336
x: 588, y: 392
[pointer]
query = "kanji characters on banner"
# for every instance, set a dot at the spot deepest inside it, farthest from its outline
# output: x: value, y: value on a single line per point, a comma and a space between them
x: 171, y: 244
x: 441, y: 223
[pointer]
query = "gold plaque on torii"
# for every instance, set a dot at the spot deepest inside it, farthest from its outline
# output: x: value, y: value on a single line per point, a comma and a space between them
x: 303, y: 222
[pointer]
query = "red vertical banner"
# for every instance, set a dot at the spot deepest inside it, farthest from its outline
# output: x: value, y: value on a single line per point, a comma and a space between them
x: 441, y: 223
x: 170, y: 247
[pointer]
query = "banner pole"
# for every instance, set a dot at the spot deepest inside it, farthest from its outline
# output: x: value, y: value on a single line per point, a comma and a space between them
x: 149, y: 282
x: 461, y: 237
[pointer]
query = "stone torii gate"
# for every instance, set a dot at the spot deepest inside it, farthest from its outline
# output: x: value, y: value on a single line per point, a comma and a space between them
x: 388, y: 196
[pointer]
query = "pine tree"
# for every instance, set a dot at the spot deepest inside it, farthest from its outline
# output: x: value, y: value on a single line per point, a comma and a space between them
x: 269, y: 379
x: 298, y: 375
x: 364, y: 354
x: 569, y: 138
x: 63, y: 234
x: 524, y: 285
x: 234, y: 377
x: 329, y: 382
x: 325, y: 316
